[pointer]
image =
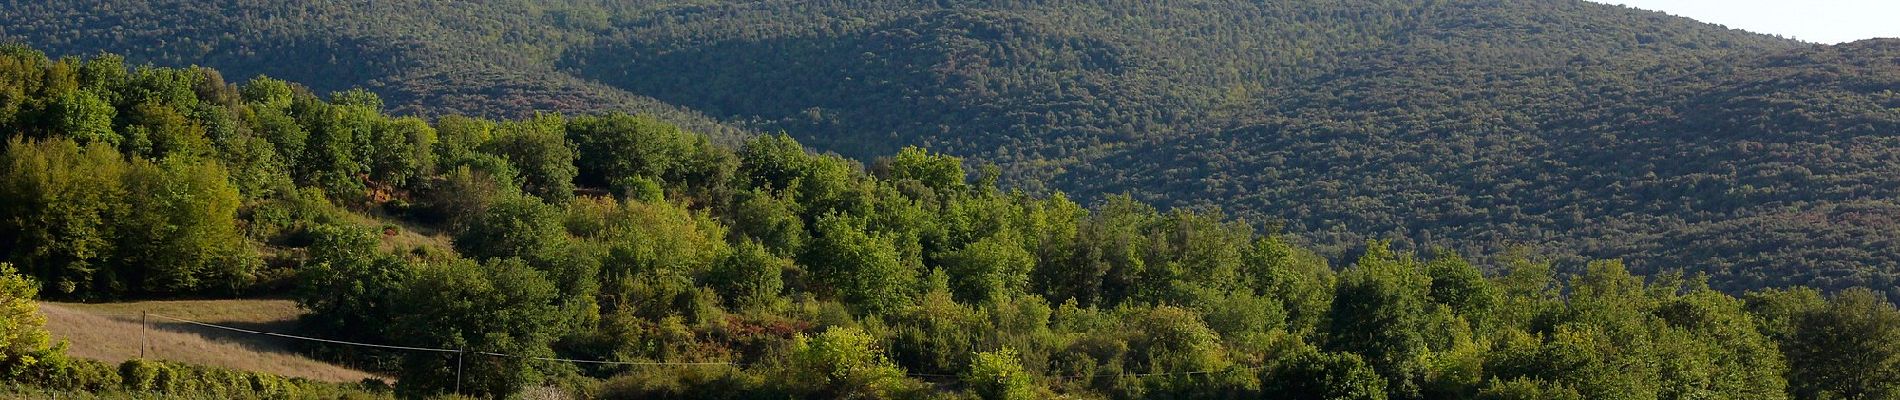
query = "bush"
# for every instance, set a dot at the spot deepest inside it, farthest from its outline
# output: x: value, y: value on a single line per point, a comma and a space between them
x: 688, y: 382
x: 999, y: 375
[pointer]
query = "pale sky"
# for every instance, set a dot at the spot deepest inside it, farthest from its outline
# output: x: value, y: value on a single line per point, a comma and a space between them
x: 1820, y: 21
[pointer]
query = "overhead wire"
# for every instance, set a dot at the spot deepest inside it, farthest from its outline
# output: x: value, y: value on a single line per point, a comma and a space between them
x: 642, y: 363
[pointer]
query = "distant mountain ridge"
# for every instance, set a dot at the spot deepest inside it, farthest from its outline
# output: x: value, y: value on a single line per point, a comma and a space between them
x: 1577, y: 127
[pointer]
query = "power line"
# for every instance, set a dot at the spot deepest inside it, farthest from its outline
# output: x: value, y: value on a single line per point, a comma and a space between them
x: 642, y: 363
x: 603, y: 362
x: 384, y: 346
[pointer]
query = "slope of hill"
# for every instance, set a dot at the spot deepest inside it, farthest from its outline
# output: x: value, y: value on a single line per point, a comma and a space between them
x: 112, y: 333
x: 1580, y: 128
x: 1765, y: 170
x: 768, y: 271
x: 424, y: 57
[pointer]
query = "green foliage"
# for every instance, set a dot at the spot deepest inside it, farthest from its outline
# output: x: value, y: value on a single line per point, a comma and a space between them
x: 538, y: 147
x: 1168, y: 339
x: 770, y: 220
x: 1380, y: 311
x: 1310, y: 374
x: 617, y: 146
x: 513, y: 226
x: 168, y: 379
x: 1462, y: 287
x: 86, y: 118
x: 347, y: 284
x: 1849, y: 349
x: 1298, y: 279
x: 845, y: 363
x: 998, y: 375
x: 993, y: 267
x: 500, y: 306
x: 62, y: 204
x: 941, y: 173
x: 688, y: 383
x: 71, y: 222
x: 184, y: 235
x: 23, y: 338
x: 400, y: 150
x: 1527, y: 389
x: 818, y: 279
x: 861, y: 268
x: 751, y: 277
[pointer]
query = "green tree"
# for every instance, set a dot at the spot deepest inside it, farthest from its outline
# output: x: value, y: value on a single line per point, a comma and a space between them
x: 646, y: 240
x: 513, y: 226
x: 1527, y: 389
x: 1300, y: 280
x: 771, y: 220
x: 463, y: 193
x: 539, y: 149
x: 773, y: 161
x: 1380, y: 312
x: 1780, y: 311
x: 999, y: 375
x: 1462, y: 287
x: 264, y: 92
x: 844, y: 363
x: 861, y: 268
x: 85, y: 117
x: 616, y: 146
x: 1311, y: 374
x: 332, y: 156
x: 991, y: 268
x: 23, y: 337
x: 500, y: 306
x: 1847, y: 350
x: 751, y: 277
x: 59, y: 209
x: 347, y: 285
x: 400, y: 150
x: 183, y: 236
x: 460, y: 137
x: 357, y: 97
x: 942, y: 173
x: 1712, y: 347
x: 1169, y: 339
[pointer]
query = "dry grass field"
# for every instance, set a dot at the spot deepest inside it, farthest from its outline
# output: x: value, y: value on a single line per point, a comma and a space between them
x: 112, y: 332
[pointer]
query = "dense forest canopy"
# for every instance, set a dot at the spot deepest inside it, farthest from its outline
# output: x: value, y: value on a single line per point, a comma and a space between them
x: 1585, y: 130
x: 766, y: 270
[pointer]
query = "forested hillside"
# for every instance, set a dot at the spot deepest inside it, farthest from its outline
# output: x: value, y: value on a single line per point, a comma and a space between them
x: 425, y: 57
x: 769, y: 271
x: 1585, y: 130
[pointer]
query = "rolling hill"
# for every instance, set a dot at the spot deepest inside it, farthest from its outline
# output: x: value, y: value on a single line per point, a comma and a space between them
x: 1584, y: 129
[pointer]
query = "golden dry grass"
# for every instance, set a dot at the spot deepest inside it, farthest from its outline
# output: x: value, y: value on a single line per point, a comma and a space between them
x: 112, y: 333
x: 406, y: 236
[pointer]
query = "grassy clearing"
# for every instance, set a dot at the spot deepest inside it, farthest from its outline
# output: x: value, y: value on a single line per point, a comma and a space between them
x: 113, y: 333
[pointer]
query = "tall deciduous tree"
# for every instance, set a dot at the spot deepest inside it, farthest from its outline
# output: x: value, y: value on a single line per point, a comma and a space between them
x: 1848, y: 350
x: 859, y: 267
x: 539, y: 149
x: 500, y: 306
x: 1380, y: 312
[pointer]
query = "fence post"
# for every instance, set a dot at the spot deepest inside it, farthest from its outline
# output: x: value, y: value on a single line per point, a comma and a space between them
x: 145, y: 329
x: 458, y: 370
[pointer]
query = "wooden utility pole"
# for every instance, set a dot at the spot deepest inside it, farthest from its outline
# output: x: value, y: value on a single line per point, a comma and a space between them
x: 145, y: 329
